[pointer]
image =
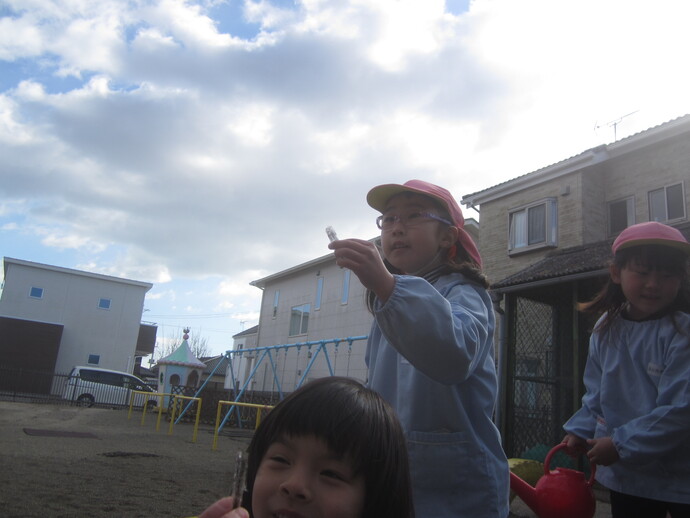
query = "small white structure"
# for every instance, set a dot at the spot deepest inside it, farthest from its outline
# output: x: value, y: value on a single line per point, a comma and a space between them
x: 180, y: 367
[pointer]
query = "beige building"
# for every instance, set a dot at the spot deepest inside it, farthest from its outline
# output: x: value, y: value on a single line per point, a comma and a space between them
x: 545, y: 239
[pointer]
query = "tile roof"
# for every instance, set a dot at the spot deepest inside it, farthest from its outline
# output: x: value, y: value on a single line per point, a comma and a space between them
x: 592, y: 257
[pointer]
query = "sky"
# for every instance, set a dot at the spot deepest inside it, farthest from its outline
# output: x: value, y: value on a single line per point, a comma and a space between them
x: 203, y: 144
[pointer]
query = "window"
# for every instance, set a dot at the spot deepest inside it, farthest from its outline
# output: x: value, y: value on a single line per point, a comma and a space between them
x: 533, y: 226
x: 667, y: 203
x: 104, y: 304
x: 319, y: 293
x: 94, y: 359
x: 36, y: 293
x: 276, y: 296
x: 621, y: 215
x: 346, y: 287
x: 299, y: 319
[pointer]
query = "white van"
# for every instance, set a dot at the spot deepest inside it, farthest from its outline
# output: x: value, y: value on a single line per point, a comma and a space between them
x: 88, y: 386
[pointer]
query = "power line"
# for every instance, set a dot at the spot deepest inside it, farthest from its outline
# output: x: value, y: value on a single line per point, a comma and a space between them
x: 208, y: 315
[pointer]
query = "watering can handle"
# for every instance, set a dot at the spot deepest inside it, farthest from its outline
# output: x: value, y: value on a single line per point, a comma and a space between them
x: 547, y: 462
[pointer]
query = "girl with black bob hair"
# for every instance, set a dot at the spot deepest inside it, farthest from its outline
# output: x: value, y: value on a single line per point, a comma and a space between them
x: 362, y: 441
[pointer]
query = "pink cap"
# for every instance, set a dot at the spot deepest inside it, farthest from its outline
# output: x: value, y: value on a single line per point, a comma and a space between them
x: 651, y: 233
x: 378, y: 197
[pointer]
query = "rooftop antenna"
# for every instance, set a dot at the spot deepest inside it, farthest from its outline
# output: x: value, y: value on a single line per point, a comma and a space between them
x: 615, y: 123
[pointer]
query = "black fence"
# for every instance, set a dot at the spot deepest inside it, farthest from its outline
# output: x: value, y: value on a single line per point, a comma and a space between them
x: 28, y: 386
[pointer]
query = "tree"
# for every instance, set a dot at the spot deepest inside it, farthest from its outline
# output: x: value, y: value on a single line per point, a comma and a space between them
x: 168, y: 344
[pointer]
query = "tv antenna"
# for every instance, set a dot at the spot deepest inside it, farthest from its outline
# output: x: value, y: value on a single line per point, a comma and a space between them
x: 614, y: 124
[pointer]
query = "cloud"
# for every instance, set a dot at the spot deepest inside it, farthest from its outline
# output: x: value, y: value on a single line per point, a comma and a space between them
x: 148, y: 142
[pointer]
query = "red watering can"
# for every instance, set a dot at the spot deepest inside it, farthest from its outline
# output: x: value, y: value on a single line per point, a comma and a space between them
x: 561, y: 493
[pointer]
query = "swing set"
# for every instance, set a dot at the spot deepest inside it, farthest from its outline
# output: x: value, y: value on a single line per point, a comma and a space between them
x: 269, y: 355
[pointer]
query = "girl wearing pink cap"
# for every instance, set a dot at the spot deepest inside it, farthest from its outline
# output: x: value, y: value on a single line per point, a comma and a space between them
x: 635, y: 416
x: 430, y: 351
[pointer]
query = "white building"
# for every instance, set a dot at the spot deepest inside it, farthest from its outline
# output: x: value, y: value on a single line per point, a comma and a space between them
x: 99, y: 317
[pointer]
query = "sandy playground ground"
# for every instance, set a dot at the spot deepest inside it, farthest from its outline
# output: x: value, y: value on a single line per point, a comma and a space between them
x: 107, y: 465
x: 95, y: 462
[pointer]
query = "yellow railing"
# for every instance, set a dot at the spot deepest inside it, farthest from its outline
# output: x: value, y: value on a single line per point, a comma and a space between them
x: 221, y: 404
x: 160, y: 396
x: 174, y: 408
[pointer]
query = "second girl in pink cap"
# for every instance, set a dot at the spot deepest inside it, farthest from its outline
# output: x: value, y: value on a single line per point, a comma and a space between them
x: 634, y: 422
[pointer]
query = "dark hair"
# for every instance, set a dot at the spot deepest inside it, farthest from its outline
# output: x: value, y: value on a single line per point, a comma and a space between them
x: 357, y: 424
x: 611, y: 300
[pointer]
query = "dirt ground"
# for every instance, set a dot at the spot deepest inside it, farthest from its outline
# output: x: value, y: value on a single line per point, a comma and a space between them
x: 123, y: 469
x: 115, y: 467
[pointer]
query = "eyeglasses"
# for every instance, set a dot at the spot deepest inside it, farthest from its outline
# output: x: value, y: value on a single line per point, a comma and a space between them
x: 387, y: 221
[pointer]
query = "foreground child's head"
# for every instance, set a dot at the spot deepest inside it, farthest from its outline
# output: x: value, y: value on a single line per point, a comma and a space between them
x: 331, y: 449
x: 649, y: 273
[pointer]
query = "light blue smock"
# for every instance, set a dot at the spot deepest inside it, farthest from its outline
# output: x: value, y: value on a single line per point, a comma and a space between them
x: 637, y: 381
x: 431, y: 355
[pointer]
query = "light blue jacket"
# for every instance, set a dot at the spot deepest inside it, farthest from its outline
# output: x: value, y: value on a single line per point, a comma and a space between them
x: 637, y: 381
x: 430, y: 354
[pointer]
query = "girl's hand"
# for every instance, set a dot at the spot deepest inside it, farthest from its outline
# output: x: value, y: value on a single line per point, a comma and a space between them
x: 575, y: 446
x: 602, y: 451
x: 363, y: 258
x: 223, y: 509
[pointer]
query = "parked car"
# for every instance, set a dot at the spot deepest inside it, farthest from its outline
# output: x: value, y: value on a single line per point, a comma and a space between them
x: 88, y: 386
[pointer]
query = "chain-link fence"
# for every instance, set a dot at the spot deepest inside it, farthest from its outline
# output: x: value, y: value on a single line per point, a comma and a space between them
x: 538, y: 374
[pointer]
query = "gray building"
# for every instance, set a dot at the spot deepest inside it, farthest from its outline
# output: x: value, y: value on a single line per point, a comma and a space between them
x: 53, y: 318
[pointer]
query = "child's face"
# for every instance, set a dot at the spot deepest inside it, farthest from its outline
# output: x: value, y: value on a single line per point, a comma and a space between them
x: 647, y: 291
x: 414, y: 246
x: 299, y: 477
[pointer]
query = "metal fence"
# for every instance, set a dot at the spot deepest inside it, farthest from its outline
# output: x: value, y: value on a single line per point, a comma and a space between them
x: 535, y: 382
x: 29, y: 386
x: 32, y: 386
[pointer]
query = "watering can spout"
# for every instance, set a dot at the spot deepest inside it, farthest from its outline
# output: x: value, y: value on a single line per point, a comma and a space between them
x: 526, y: 492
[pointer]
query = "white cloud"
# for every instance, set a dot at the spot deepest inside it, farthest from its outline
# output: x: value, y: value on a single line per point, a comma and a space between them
x: 153, y: 145
x: 19, y: 38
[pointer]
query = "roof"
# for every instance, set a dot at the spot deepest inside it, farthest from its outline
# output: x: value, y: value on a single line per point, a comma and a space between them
x: 251, y: 331
x: 21, y: 262
x: 588, y: 260
x: 330, y: 257
x: 574, y: 261
x: 182, y: 356
x: 212, y: 362
x: 587, y: 158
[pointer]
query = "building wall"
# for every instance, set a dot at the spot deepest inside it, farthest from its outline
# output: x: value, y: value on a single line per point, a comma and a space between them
x: 493, y: 243
x: 582, y: 198
x: 333, y: 320
x: 71, y: 298
x: 647, y: 169
x: 593, y: 203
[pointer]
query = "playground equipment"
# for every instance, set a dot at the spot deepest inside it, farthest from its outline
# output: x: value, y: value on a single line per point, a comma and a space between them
x: 233, y: 404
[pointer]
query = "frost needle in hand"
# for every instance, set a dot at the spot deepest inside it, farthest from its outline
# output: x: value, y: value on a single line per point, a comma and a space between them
x: 331, y: 234
x: 238, y: 479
